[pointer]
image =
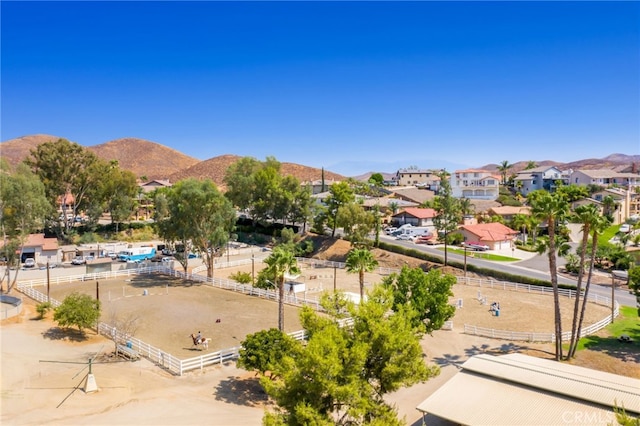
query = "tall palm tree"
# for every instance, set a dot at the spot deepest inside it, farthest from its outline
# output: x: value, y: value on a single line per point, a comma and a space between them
x: 503, y: 168
x: 597, y: 227
x: 587, y: 215
x: 280, y: 262
x: 360, y: 260
x: 467, y: 207
x: 551, y: 208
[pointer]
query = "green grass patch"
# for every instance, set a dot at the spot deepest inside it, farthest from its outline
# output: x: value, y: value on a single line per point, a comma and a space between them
x: 481, y: 255
x: 608, y: 234
x: 627, y: 323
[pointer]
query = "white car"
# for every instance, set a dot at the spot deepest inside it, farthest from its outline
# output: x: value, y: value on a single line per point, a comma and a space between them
x: 405, y: 237
x: 78, y: 260
x: 29, y: 263
x: 168, y: 259
x: 625, y: 227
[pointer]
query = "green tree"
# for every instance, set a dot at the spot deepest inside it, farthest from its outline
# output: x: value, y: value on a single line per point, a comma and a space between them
x: 199, y: 218
x: 239, y: 180
x: 340, y: 195
x: 425, y: 294
x: 279, y: 263
x: 551, y: 209
x: 356, y: 222
x: 359, y: 261
x: 116, y: 191
x: 341, y: 375
x: 23, y: 208
x: 503, y: 168
x: 448, y: 210
x: 572, y: 192
x: 65, y: 168
x: 531, y: 165
x: 263, y: 350
x: 376, y: 179
x: 78, y: 310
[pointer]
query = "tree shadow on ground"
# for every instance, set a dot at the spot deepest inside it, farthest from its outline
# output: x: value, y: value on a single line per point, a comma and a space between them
x: 448, y: 359
x: 475, y: 350
x: 59, y: 333
x: 241, y: 391
x: 628, y: 352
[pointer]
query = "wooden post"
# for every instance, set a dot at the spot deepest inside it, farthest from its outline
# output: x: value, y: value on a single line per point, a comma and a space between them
x: 48, y: 284
x: 97, y: 291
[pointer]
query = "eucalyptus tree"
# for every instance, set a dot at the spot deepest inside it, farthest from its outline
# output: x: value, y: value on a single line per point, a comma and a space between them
x: 448, y: 210
x: 360, y: 260
x: 115, y: 192
x: 356, y: 222
x: 199, y: 218
x: 551, y: 209
x: 23, y: 209
x: 279, y: 263
x: 65, y: 168
x: 587, y: 215
x: 239, y: 180
x: 340, y: 195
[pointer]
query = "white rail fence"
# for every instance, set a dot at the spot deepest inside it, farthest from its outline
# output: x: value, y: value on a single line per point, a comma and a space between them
x: 526, y: 336
x: 179, y: 367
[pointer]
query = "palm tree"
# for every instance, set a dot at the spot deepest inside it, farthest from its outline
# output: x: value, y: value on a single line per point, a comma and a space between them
x: 521, y: 221
x: 467, y: 207
x: 587, y: 215
x: 610, y: 205
x: 531, y: 165
x: 280, y: 262
x: 551, y: 208
x: 597, y: 227
x: 503, y: 168
x: 360, y: 260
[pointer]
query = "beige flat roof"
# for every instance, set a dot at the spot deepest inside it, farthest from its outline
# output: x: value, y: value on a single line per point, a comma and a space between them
x: 518, y: 389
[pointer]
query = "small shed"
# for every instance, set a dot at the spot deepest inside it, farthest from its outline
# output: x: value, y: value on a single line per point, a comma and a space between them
x: 96, y: 266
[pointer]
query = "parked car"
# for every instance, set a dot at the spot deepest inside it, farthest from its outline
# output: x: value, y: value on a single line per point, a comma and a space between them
x: 112, y: 254
x: 406, y: 237
x: 476, y: 246
x: 89, y: 259
x: 390, y: 230
x: 625, y: 227
x: 78, y: 260
x: 168, y: 259
x: 29, y: 263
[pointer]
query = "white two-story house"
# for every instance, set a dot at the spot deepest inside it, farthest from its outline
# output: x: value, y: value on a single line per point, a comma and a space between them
x: 605, y: 177
x: 543, y: 177
x: 475, y: 184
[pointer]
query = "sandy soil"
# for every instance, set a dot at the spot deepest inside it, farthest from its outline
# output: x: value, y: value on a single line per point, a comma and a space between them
x: 35, y: 392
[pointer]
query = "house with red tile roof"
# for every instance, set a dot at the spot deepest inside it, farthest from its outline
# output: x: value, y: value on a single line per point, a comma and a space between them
x: 496, y: 235
x: 415, y: 216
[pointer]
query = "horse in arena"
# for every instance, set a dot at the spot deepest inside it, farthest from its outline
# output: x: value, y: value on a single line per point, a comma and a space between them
x: 204, y: 341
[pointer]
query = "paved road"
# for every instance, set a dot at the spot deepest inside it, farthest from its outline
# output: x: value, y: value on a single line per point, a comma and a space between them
x: 535, y: 266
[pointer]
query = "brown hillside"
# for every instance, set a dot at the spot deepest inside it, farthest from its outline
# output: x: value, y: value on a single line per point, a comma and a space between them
x: 215, y: 169
x: 16, y: 150
x: 608, y: 162
x: 144, y: 158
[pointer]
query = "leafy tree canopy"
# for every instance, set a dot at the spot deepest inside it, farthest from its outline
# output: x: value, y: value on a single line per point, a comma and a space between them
x: 80, y: 310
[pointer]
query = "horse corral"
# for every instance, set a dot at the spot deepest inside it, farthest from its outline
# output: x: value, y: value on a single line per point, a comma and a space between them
x: 169, y: 310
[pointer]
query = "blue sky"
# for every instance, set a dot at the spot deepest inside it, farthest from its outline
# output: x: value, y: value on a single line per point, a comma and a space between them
x: 349, y: 86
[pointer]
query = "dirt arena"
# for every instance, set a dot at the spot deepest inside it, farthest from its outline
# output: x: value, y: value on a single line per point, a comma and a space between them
x: 172, y: 309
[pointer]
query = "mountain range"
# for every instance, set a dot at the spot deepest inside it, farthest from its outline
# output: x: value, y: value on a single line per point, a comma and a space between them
x: 152, y: 160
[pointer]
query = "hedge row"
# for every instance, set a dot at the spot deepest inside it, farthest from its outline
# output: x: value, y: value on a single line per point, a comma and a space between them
x: 499, y: 275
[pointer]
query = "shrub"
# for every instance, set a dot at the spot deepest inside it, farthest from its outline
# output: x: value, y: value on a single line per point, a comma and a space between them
x: 241, y: 277
x: 43, y: 308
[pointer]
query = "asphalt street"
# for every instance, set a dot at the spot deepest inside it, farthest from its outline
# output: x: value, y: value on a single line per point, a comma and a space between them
x: 531, y: 265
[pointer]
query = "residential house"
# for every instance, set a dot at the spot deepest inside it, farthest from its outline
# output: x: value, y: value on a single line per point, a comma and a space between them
x: 386, y: 206
x: 496, y: 235
x: 508, y: 212
x: 415, y: 176
x: 620, y: 210
x: 475, y: 184
x: 152, y: 185
x: 543, y: 177
x: 415, y: 216
x: 40, y: 248
x: 318, y: 186
x: 605, y: 177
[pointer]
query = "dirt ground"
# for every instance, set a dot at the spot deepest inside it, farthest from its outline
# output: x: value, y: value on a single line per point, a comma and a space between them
x: 140, y: 393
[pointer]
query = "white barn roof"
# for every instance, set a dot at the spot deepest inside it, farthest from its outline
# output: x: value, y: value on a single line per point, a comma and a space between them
x: 518, y: 389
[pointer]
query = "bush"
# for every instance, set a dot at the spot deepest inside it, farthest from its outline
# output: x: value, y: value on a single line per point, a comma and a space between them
x: 43, y: 308
x: 241, y: 277
x: 80, y: 310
